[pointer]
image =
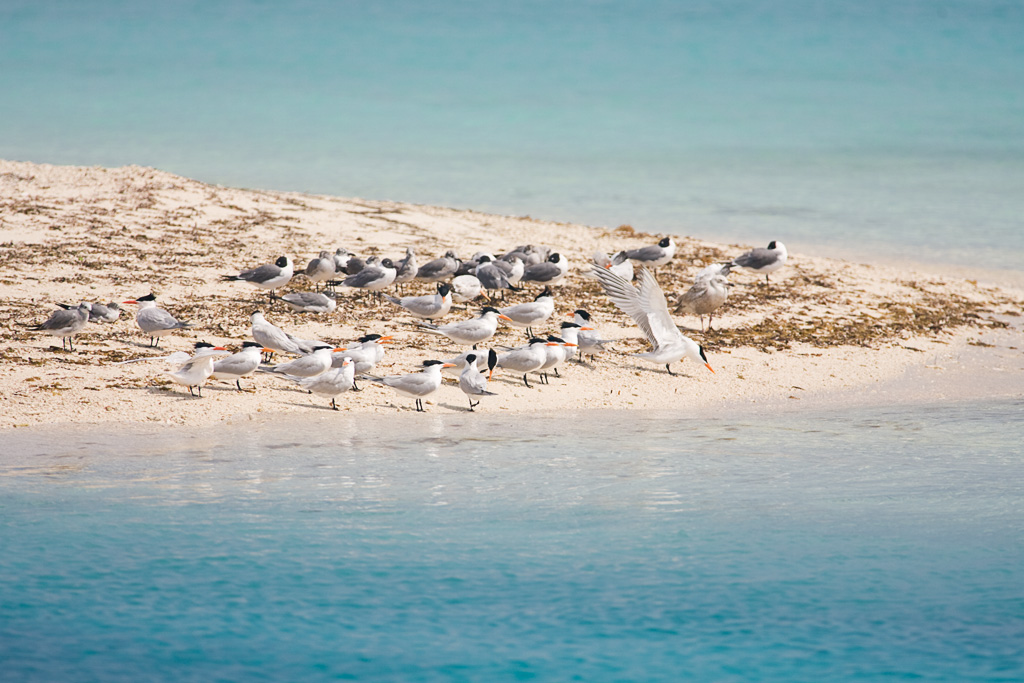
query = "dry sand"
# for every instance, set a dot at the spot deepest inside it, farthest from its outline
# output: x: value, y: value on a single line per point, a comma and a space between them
x: 825, y: 331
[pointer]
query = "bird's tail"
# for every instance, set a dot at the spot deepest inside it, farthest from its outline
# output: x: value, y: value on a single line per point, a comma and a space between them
x: 229, y: 278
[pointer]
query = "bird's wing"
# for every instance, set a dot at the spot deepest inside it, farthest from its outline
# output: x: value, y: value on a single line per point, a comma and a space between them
x: 651, y: 253
x: 260, y: 274
x: 363, y: 277
x: 541, y: 272
x: 627, y: 298
x: 652, y: 299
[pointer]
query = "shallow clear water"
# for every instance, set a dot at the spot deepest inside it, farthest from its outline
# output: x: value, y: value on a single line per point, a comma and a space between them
x: 615, y: 546
x: 883, y: 123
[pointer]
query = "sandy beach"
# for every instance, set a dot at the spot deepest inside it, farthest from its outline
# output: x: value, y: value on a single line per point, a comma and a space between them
x: 824, y: 330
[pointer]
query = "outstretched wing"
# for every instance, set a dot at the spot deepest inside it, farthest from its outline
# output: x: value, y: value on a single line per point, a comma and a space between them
x: 652, y: 299
x: 627, y: 298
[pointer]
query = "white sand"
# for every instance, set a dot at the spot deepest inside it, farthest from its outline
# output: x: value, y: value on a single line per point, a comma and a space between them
x: 69, y: 234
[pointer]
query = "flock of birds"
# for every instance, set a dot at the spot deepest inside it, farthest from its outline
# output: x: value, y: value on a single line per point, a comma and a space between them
x: 329, y: 370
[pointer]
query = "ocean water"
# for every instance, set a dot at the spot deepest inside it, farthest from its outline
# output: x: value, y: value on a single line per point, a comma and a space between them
x: 877, y: 126
x: 616, y: 546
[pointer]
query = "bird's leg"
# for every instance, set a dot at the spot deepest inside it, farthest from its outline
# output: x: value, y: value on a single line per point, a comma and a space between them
x: 355, y: 387
x: 669, y: 369
x: 419, y: 406
x: 190, y: 391
x: 199, y: 389
x: 472, y: 405
x: 333, y: 404
x: 526, y: 381
x: 238, y: 383
x: 556, y: 372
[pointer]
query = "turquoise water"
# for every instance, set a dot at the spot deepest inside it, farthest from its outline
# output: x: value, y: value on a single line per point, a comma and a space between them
x: 891, y: 124
x: 884, y: 544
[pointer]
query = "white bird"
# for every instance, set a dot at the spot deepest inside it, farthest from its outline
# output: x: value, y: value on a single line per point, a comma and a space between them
x: 332, y: 382
x: 308, y: 302
x: 66, y: 324
x: 197, y: 369
x: 557, y: 351
x: 549, y: 272
x: 465, y: 288
x: 428, y: 307
x: 268, y: 276
x: 309, y: 365
x: 588, y: 337
x: 365, y: 354
x: 240, y: 364
x: 525, y: 359
x: 704, y: 297
x: 525, y: 316
x: 417, y: 385
x: 472, y: 331
x: 472, y: 381
x: 763, y: 261
x: 321, y: 268
x: 648, y: 308
x: 272, y: 336
x: 155, y: 322
x: 655, y: 255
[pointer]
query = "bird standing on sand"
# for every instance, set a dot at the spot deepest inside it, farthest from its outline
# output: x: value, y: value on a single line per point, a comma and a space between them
x: 417, y: 385
x: 472, y: 331
x: 549, y: 272
x: 763, y: 261
x: 308, y: 302
x: 648, y: 308
x: 526, y: 315
x: 197, y: 369
x: 655, y: 255
x: 154, y: 321
x: 472, y: 381
x: 525, y: 359
x: 373, y: 278
x: 332, y: 382
x: 66, y: 324
x: 429, y: 306
x: 240, y: 364
x: 704, y: 297
x: 268, y: 276
x: 321, y: 268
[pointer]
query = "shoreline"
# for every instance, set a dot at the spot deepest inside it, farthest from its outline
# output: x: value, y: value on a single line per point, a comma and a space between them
x: 826, y: 330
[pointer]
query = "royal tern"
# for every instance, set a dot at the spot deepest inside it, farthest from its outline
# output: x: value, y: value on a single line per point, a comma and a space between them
x: 655, y: 255
x: 472, y: 381
x: 100, y: 313
x: 525, y: 316
x: 428, y: 307
x: 416, y: 385
x: 197, y: 369
x: 470, y: 332
x: 704, y: 297
x: 549, y: 272
x: 763, y: 261
x: 331, y: 382
x: 308, y: 302
x: 525, y: 359
x: 155, y: 322
x: 309, y: 365
x: 268, y: 276
x: 365, y: 354
x: 273, y: 337
x: 465, y: 288
x: 240, y: 364
x: 439, y: 269
x: 66, y: 323
x: 648, y: 308
x: 557, y: 351
x: 321, y: 268
x: 588, y: 337
x: 373, y: 278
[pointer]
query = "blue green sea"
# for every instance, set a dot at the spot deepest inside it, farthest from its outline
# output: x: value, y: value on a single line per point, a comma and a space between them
x: 816, y: 545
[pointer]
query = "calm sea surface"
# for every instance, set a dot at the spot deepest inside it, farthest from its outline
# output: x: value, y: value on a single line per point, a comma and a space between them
x: 607, y: 547
x: 893, y: 125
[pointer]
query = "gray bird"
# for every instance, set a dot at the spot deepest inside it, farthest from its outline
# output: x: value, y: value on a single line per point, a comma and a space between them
x: 763, y: 261
x: 439, y: 269
x: 155, y: 322
x: 66, y: 324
